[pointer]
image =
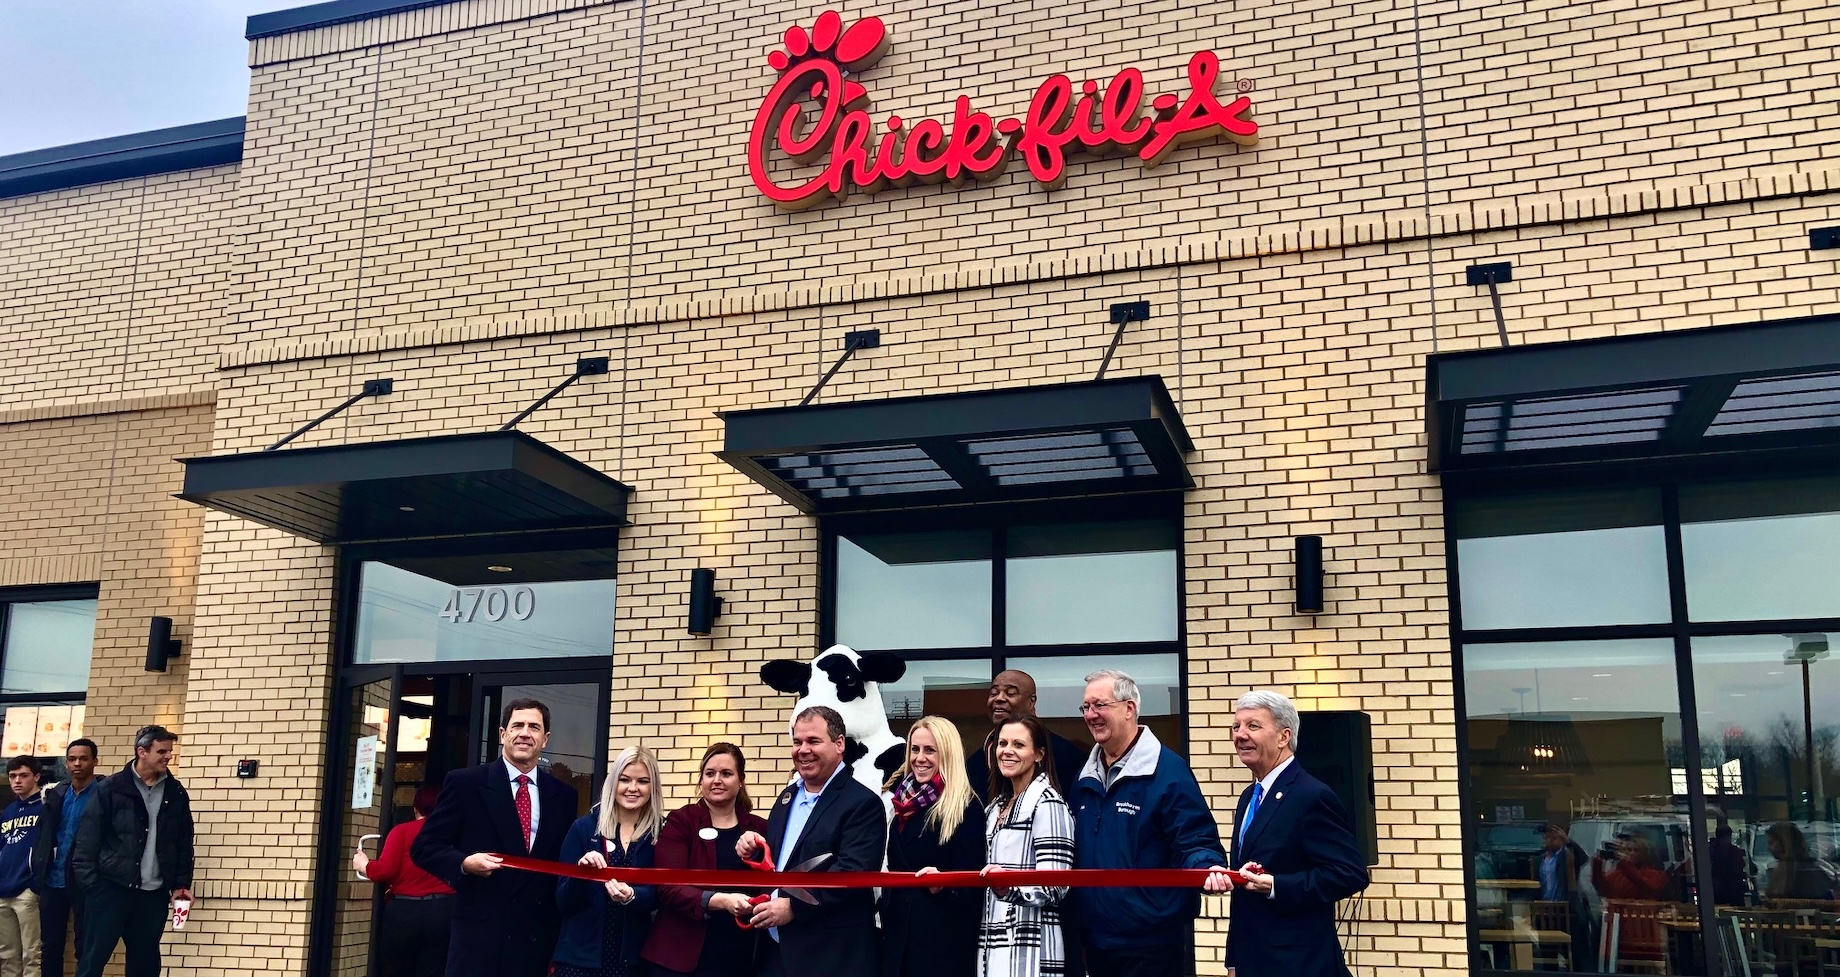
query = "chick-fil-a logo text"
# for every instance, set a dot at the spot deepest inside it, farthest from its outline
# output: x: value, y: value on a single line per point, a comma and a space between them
x: 816, y: 75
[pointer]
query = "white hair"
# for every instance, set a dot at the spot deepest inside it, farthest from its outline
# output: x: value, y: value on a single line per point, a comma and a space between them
x: 1124, y: 687
x: 1281, y: 709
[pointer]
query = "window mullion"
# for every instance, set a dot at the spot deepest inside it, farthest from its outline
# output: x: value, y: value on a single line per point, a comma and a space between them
x: 999, y: 591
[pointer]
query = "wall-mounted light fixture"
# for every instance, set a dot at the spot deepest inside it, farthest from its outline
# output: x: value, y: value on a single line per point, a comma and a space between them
x: 161, y: 645
x: 1309, y: 575
x: 705, y: 606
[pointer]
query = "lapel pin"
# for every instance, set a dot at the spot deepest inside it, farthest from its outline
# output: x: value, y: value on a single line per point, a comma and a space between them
x: 707, y: 834
x: 1279, y: 796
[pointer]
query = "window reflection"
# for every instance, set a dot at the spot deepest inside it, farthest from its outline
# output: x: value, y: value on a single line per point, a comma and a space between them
x: 406, y: 617
x: 1583, y: 847
x: 1088, y: 583
x: 1769, y: 720
x: 48, y: 646
x: 914, y: 590
x: 1761, y: 550
x: 1060, y: 684
x: 954, y: 690
x: 1561, y: 560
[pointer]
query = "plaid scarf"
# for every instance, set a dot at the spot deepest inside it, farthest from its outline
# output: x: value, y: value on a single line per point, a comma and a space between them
x: 912, y: 797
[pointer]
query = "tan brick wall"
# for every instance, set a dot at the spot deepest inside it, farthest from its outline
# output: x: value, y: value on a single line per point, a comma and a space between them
x: 485, y: 171
x: 450, y: 205
x: 114, y: 290
x: 94, y: 494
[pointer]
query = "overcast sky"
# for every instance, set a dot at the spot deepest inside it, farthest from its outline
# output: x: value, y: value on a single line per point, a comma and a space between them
x: 72, y: 70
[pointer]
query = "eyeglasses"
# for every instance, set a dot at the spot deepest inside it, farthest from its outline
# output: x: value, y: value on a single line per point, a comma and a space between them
x: 1086, y: 707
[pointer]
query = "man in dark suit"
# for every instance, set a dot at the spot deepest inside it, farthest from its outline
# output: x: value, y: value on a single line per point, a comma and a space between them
x: 504, y: 921
x: 1012, y: 694
x: 1296, y: 851
x: 824, y: 811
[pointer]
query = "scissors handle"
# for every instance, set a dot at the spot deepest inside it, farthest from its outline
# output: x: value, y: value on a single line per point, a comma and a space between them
x: 765, y: 862
x: 752, y: 902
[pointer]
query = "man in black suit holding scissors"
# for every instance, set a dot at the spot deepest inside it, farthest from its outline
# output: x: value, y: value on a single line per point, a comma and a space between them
x: 504, y: 922
x: 825, y: 811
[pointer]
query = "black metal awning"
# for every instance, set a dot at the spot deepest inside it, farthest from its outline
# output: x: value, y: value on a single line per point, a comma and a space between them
x: 1076, y: 439
x: 1698, y: 395
x: 463, y: 485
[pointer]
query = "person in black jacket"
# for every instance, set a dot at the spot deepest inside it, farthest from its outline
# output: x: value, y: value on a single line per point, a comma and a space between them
x: 131, y: 861
x: 1012, y: 696
x: 59, y: 898
x: 504, y: 922
x: 938, y: 826
x: 823, y: 812
x: 1297, y: 854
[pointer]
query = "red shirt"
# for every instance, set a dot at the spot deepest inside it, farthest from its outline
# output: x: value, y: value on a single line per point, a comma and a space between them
x: 393, y: 868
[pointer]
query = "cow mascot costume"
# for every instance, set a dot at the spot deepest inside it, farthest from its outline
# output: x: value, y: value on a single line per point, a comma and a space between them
x: 849, y: 683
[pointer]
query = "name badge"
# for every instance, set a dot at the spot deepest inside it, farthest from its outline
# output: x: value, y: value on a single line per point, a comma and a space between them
x: 707, y: 834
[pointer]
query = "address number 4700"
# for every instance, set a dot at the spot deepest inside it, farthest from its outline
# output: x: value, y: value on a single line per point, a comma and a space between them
x: 466, y: 605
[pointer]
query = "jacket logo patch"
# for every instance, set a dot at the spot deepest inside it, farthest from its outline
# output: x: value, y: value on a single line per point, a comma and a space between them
x: 1126, y: 807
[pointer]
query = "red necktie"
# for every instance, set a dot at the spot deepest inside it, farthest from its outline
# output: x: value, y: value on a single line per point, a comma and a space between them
x: 523, y: 807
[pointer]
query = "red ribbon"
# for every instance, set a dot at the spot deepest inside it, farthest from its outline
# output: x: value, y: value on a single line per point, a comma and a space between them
x: 1079, y: 878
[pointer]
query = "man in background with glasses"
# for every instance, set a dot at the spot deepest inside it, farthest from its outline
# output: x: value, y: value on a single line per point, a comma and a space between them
x: 1136, y: 806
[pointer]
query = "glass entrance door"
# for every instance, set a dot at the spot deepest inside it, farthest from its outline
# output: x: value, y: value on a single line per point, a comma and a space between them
x: 364, y: 815
x: 402, y: 730
x: 437, y: 637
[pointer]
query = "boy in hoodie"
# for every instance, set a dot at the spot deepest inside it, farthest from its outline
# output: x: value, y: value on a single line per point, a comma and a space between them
x: 19, y: 940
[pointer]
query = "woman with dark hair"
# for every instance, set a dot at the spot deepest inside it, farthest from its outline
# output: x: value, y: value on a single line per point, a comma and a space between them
x: 937, y: 827
x: 1028, y: 826
x: 695, y: 932
x: 415, y: 920
x: 1796, y: 874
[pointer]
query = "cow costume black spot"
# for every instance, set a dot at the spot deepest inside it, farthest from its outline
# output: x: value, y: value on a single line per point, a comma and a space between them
x: 849, y: 683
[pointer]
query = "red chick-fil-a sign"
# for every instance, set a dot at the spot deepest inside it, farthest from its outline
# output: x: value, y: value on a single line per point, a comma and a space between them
x: 816, y: 70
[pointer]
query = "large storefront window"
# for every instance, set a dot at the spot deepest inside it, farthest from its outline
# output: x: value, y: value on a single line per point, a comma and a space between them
x: 46, y: 637
x: 1651, y: 753
x: 1769, y: 708
x: 1568, y: 560
x: 914, y: 590
x: 1057, y: 598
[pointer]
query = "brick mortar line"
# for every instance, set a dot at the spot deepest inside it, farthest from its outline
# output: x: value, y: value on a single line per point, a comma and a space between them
x: 104, y: 408
x: 1328, y: 235
x: 413, y: 25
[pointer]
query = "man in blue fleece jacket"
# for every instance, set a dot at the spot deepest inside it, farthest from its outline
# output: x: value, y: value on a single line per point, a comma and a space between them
x: 19, y: 941
x: 1136, y: 805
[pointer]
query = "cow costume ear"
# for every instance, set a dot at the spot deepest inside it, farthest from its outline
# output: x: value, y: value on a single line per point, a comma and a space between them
x: 787, y: 675
x: 880, y: 666
x: 891, y: 759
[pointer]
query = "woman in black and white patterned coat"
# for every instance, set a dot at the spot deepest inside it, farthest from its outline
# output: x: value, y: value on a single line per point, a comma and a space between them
x: 1027, y: 826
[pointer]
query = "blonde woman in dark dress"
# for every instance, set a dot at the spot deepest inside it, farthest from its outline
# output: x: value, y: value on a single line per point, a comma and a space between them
x: 937, y: 826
